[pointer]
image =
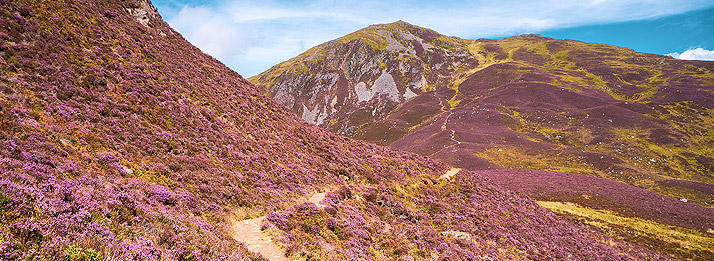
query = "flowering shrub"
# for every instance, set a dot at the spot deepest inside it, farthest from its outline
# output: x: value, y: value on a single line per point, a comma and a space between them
x: 466, y: 217
x: 121, y: 139
x: 601, y: 193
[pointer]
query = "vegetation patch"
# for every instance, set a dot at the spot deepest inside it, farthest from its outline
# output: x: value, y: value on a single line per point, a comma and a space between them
x: 687, y: 240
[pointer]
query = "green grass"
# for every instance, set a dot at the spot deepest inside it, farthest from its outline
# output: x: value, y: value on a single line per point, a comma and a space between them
x: 686, y: 239
x: 513, y: 157
x: 75, y: 253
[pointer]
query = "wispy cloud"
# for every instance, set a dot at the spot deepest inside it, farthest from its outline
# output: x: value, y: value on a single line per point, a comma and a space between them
x: 695, y: 54
x: 211, y: 31
x: 251, y: 35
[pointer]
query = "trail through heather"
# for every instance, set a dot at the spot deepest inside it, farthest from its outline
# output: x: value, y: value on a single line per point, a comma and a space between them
x: 248, y: 231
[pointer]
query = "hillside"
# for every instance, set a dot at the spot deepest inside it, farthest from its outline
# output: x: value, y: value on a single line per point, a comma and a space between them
x: 521, y: 102
x: 525, y: 102
x: 121, y: 141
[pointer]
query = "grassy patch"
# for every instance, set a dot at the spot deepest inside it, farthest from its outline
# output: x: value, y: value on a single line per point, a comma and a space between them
x: 686, y: 239
x: 514, y: 157
x: 75, y: 253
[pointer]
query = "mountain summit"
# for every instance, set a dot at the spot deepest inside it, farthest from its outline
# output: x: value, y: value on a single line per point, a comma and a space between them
x: 365, y: 74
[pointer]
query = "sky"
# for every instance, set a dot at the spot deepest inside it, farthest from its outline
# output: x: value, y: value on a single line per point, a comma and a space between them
x: 250, y: 36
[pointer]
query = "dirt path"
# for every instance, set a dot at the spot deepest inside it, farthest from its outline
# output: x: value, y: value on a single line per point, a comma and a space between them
x: 316, y: 198
x: 248, y: 231
x: 449, y: 174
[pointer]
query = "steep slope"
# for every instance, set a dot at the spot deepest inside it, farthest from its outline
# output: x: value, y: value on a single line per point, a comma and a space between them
x: 526, y: 102
x: 353, y: 80
x: 122, y: 141
x: 120, y: 137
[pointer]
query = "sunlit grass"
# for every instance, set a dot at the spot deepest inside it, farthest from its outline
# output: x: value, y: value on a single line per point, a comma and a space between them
x: 688, y: 239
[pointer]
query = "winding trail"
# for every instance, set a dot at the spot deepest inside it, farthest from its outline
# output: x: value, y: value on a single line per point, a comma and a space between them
x: 452, y: 136
x: 248, y: 231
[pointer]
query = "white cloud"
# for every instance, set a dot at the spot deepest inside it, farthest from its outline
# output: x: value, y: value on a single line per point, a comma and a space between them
x: 695, y: 54
x: 242, y: 33
x: 212, y: 32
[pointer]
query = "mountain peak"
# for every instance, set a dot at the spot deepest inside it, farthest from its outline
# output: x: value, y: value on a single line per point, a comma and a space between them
x: 399, y: 30
x: 402, y: 25
x: 396, y: 24
x: 531, y: 37
x: 366, y: 62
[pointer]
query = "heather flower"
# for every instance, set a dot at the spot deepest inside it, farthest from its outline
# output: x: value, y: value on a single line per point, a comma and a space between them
x: 202, y: 144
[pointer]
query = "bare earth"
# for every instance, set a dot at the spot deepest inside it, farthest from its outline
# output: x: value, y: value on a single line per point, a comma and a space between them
x: 248, y: 232
x: 449, y: 174
x: 316, y: 198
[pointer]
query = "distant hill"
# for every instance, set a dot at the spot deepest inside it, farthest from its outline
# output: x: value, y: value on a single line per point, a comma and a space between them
x: 121, y: 141
x: 525, y: 102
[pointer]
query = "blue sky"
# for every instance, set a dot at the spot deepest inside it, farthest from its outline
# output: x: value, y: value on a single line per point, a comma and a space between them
x: 250, y: 36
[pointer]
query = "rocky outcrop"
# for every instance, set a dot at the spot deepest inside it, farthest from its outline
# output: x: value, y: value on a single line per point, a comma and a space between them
x: 355, y: 76
x: 143, y: 11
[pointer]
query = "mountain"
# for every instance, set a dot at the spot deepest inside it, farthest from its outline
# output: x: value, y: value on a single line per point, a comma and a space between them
x: 121, y: 141
x: 521, y: 102
x: 525, y: 102
x: 354, y: 80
